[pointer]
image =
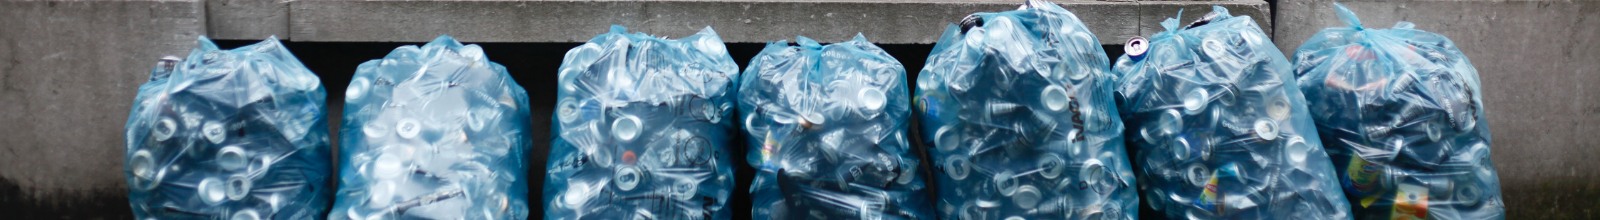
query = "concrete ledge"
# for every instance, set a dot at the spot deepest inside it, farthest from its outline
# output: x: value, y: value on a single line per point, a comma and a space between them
x: 247, y: 19
x: 884, y: 21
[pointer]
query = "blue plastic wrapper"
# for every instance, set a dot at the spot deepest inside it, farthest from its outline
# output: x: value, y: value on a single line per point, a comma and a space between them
x: 1018, y: 112
x: 1401, y: 113
x: 642, y: 128
x: 433, y: 132
x: 1221, y: 129
x: 826, y: 131
x: 229, y: 134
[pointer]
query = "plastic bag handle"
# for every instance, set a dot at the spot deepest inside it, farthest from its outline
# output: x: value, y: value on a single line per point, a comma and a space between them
x: 1348, y: 16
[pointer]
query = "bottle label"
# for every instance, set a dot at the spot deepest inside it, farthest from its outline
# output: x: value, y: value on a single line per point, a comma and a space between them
x: 1410, y: 203
x: 768, y: 147
x: 1366, y: 178
x: 1211, y: 198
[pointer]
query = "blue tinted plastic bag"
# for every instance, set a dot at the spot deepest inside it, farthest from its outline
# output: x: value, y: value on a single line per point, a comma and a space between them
x: 237, y: 134
x: 826, y: 129
x: 1018, y: 112
x: 642, y: 128
x: 433, y: 132
x: 1401, y: 113
x: 1219, y: 128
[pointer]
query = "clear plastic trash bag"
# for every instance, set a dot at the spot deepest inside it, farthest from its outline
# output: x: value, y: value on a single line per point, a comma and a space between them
x: 1401, y: 113
x: 642, y: 128
x: 1017, y: 110
x: 1218, y: 127
x: 235, y: 134
x: 433, y: 132
x: 826, y: 131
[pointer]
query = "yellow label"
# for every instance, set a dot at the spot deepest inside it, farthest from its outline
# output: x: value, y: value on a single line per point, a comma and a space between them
x: 1365, y: 178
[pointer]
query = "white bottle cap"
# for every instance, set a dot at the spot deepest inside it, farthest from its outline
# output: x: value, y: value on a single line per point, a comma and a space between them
x: 1055, y: 98
x: 628, y: 177
x: 957, y: 167
x: 625, y: 128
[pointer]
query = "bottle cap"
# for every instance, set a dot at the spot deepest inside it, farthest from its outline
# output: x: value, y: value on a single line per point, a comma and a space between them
x: 145, y: 173
x: 1278, y: 107
x: 1195, y: 100
x: 388, y: 166
x: 957, y: 167
x: 231, y: 158
x: 212, y: 190
x: 1198, y: 174
x: 1006, y: 182
x: 1297, y: 150
x: 684, y: 190
x: 357, y: 89
x: 165, y: 66
x: 213, y: 131
x: 381, y: 195
x: 625, y: 128
x: 238, y: 187
x: 408, y: 128
x: 946, y: 138
x: 1095, y: 176
x: 1051, y: 166
x: 1027, y: 197
x: 567, y: 110
x: 1181, y: 149
x: 1266, y: 129
x: 872, y: 98
x: 164, y: 129
x: 1055, y: 98
x: 246, y: 214
x: 1170, y: 123
x: 1136, y: 47
x: 628, y: 177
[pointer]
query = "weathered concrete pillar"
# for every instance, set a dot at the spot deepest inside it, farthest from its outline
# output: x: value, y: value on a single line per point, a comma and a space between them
x: 68, y: 72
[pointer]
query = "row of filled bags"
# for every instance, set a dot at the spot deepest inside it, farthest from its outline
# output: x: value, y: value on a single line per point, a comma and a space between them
x: 1021, y: 113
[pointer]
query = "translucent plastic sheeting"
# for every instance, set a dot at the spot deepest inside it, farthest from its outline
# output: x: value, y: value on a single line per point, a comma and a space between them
x: 1401, y: 113
x: 826, y: 129
x: 1017, y: 108
x: 642, y: 128
x: 229, y: 134
x: 1219, y: 129
x: 433, y: 132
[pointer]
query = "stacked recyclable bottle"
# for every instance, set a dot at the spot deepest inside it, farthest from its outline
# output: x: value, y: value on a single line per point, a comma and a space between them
x: 641, y: 127
x: 1220, y: 130
x: 433, y: 132
x: 1017, y: 108
x: 1401, y: 113
x: 826, y: 129
x: 235, y: 134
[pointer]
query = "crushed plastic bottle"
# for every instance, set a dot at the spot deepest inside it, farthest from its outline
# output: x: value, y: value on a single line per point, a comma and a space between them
x: 433, y: 132
x: 826, y: 129
x: 1402, y: 116
x: 1017, y: 108
x: 642, y: 127
x: 229, y: 134
x: 1220, y: 130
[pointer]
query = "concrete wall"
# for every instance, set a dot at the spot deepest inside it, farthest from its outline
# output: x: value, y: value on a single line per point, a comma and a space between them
x: 1540, y: 66
x: 68, y: 69
x: 68, y: 72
